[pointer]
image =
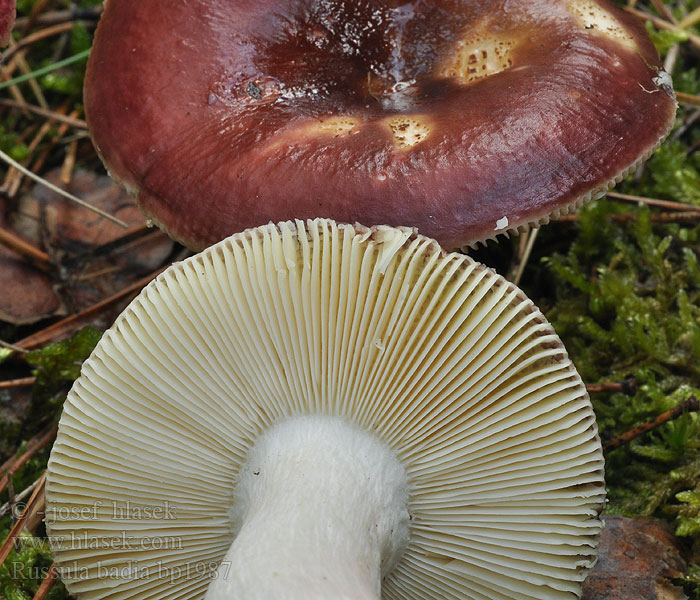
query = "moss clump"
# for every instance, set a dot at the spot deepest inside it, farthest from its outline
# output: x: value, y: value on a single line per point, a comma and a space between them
x: 56, y: 367
x: 625, y: 298
x: 25, y: 568
x: 628, y: 306
x: 61, y: 362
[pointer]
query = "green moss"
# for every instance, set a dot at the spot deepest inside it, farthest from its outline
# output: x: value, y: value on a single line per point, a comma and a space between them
x: 10, y: 429
x: 24, y: 7
x: 688, y: 513
x: 10, y: 145
x: 628, y: 306
x: 24, y: 569
x: 672, y: 175
x: 663, y: 38
x: 59, y: 364
x: 61, y: 361
x: 69, y: 81
x: 625, y: 298
x: 56, y: 366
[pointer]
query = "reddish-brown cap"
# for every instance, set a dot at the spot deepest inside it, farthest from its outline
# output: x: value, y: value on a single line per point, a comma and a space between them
x: 462, y: 118
x: 7, y: 20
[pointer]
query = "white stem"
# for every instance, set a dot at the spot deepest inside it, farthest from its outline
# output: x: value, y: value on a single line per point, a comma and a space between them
x: 323, y: 507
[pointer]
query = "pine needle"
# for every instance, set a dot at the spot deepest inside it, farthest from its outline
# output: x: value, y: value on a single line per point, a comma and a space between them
x: 10, y: 161
x: 47, y: 69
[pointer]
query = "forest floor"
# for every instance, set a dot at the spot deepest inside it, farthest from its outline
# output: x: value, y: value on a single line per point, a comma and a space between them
x: 619, y: 280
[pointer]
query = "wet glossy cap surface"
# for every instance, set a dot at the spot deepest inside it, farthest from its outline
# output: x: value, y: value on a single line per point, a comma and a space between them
x: 464, y: 119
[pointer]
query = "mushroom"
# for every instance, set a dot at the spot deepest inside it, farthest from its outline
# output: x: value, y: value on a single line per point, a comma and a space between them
x: 314, y: 410
x: 8, y: 12
x: 463, y: 118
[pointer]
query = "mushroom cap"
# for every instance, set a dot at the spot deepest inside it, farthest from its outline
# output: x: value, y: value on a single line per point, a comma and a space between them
x: 462, y: 118
x: 8, y: 12
x: 446, y: 362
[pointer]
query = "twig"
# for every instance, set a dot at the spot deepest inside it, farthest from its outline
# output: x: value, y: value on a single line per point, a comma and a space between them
x: 687, y: 124
x: 628, y: 387
x: 117, y: 245
x: 4, y: 344
x: 689, y: 405
x: 37, y: 9
x: 15, y: 383
x: 78, y: 135
x: 691, y: 19
x: 662, y: 24
x: 99, y: 273
x: 675, y: 217
x: 34, y: 37
x: 30, y: 76
x: 70, y: 324
x: 18, y: 498
x: 69, y: 163
x: 47, y: 584
x: 13, y: 177
x: 38, y: 164
x: 672, y: 58
x: 670, y: 205
x: 62, y: 16
x: 37, y: 257
x: 688, y: 99
x: 47, y: 69
x: 49, y: 114
x: 664, y: 11
x: 6, y: 74
x: 34, y: 500
x: 693, y: 149
x: 532, y: 236
x: 37, y: 439
x: 33, y: 446
x: 59, y: 191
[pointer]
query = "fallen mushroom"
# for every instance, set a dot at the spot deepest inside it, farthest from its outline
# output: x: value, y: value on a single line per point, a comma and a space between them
x: 463, y: 118
x: 27, y: 293
x: 94, y: 265
x: 314, y: 410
